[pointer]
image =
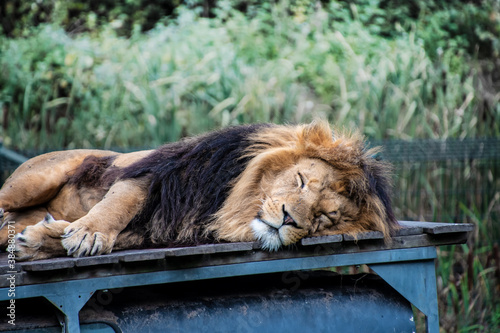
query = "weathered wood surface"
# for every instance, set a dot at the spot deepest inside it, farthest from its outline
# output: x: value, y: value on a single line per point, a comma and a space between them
x: 411, y: 234
x: 438, y: 228
x: 321, y: 240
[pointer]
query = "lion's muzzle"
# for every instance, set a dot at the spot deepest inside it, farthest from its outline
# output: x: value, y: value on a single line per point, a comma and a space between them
x: 267, y: 233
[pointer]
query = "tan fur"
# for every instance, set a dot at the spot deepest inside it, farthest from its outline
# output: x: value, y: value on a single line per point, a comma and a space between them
x: 42, y: 177
x: 42, y: 181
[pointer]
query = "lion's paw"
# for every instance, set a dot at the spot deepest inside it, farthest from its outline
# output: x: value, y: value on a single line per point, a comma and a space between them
x: 27, y: 246
x: 40, y: 241
x: 80, y: 241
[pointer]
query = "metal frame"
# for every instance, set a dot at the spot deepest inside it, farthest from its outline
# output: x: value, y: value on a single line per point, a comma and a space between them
x: 410, y: 271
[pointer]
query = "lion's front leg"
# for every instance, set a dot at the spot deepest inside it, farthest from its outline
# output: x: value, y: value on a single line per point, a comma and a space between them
x: 96, y: 232
x: 41, y: 241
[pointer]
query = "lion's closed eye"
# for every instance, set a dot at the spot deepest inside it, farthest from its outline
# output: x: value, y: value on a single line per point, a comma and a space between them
x: 334, y: 214
x: 301, y: 180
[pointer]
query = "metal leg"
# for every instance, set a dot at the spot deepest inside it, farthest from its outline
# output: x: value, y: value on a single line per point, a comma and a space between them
x: 70, y: 306
x: 416, y: 281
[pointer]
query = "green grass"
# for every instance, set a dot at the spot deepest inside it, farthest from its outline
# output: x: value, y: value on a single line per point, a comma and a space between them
x: 468, y: 289
x: 102, y: 90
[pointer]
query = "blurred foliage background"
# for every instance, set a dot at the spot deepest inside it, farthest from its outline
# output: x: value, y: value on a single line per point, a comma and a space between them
x: 138, y: 73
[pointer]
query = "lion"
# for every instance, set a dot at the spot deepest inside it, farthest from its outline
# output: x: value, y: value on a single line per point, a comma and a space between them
x: 275, y: 184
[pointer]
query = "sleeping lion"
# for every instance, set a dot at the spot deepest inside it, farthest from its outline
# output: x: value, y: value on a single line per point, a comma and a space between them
x: 272, y: 183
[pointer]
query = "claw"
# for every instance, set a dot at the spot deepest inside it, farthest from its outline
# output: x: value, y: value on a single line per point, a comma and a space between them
x: 74, y: 249
x: 83, y: 253
x: 48, y: 218
x: 70, y: 233
x: 20, y: 238
x: 95, y: 247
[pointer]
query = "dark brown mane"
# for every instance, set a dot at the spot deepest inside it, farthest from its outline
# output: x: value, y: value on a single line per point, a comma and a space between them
x: 190, y: 181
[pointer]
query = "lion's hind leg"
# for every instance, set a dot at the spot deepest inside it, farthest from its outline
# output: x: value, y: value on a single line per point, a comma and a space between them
x: 38, y: 180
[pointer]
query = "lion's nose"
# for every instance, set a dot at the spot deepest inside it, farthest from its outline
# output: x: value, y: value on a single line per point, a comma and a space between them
x: 287, y: 219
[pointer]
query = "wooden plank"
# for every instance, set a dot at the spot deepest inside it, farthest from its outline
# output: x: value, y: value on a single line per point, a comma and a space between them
x: 308, y: 241
x: 4, y: 267
x: 370, y: 235
x: 48, y: 264
x: 6, y: 279
x: 409, y: 229
x: 429, y: 240
x: 257, y: 245
x: 141, y: 255
x: 233, y: 247
x: 104, y: 259
x: 191, y: 250
x: 158, y: 254
x: 435, y: 228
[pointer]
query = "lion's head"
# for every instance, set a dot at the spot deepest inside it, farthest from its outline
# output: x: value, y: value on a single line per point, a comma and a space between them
x: 303, y: 182
x: 303, y: 200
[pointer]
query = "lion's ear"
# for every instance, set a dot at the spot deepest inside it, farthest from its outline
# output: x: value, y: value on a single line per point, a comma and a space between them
x: 347, y: 151
x: 339, y: 148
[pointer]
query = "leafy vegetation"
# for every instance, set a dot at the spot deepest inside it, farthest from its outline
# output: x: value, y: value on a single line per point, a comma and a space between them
x: 468, y: 288
x: 119, y: 74
x: 333, y: 62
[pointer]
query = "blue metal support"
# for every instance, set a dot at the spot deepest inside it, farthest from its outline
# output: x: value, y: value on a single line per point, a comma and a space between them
x: 415, y: 281
x: 70, y: 305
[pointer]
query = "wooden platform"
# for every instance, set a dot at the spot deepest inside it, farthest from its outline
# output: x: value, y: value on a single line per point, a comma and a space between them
x: 411, y: 235
x: 407, y: 264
